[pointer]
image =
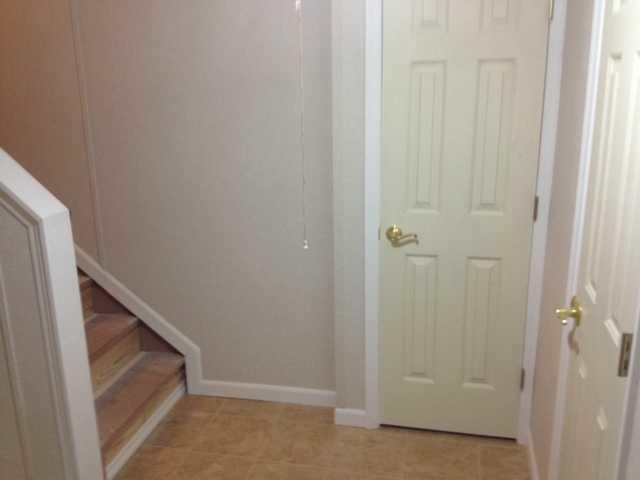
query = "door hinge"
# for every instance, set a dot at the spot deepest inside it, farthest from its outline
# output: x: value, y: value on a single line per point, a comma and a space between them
x: 379, y: 234
x: 625, y: 355
x: 552, y: 9
x: 523, y: 378
x: 536, y: 208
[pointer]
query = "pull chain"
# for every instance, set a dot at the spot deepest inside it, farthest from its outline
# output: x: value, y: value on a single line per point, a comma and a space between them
x: 303, y: 162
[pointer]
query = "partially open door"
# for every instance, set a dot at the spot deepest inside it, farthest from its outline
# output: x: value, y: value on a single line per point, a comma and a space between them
x: 47, y: 419
x: 606, y: 306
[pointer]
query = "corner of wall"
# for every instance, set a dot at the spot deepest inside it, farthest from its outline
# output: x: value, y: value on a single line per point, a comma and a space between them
x: 148, y: 315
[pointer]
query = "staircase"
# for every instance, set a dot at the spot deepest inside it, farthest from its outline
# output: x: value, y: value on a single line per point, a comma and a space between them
x: 132, y: 369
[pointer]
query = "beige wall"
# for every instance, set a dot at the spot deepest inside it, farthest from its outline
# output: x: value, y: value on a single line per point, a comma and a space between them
x: 576, y: 58
x: 40, y: 109
x: 194, y: 116
x: 193, y: 120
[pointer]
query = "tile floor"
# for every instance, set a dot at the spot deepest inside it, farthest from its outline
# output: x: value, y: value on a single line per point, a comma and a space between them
x: 221, y: 439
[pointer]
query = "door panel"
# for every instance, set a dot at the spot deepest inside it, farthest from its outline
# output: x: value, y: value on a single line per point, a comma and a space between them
x: 609, y: 267
x: 463, y: 89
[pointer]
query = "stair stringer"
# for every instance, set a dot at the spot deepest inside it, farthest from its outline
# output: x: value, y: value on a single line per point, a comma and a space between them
x: 148, y: 316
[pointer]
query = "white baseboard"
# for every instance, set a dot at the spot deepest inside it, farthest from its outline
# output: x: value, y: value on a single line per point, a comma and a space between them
x: 533, y: 461
x: 270, y: 393
x: 141, y: 435
x: 148, y: 315
x: 351, y: 418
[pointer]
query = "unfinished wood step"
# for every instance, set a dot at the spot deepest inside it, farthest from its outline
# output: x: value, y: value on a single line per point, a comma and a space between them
x: 113, y: 341
x: 86, y: 294
x: 104, y: 331
x: 124, y: 407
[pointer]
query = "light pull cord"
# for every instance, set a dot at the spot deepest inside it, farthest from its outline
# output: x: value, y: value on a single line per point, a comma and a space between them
x: 303, y: 161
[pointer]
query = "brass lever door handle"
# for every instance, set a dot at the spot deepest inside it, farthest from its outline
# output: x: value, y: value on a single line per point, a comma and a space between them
x: 574, y: 311
x: 397, y: 238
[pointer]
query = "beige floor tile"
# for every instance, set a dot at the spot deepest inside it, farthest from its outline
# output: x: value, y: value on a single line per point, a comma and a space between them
x: 252, y: 408
x: 439, y: 457
x: 306, y: 414
x: 371, y: 452
x: 283, y: 471
x: 503, y: 464
x: 210, y: 438
x: 349, y: 451
x: 179, y: 431
x: 233, y: 435
x: 204, y: 466
x: 384, y: 452
x: 301, y: 444
x: 341, y: 475
x: 153, y: 463
x: 198, y: 406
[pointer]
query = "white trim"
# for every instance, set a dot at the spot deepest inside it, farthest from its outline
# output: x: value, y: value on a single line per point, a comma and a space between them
x: 347, y: 417
x: 269, y: 393
x: 578, y: 226
x: 372, y: 200
x: 533, y: 460
x: 62, y: 334
x: 148, y: 315
x: 550, y: 119
x: 143, y: 433
x: 373, y: 136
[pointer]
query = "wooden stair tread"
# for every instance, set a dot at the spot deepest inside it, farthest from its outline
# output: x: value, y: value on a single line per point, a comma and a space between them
x: 105, y: 330
x: 129, y: 395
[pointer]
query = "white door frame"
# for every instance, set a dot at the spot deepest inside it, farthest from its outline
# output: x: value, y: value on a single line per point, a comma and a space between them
x: 373, y: 164
x: 630, y: 440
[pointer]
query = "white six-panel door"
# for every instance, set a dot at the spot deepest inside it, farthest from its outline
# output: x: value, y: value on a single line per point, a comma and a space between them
x: 609, y: 276
x: 463, y: 90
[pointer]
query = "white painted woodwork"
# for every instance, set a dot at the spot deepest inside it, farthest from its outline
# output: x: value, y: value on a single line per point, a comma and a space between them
x: 609, y: 272
x: 46, y: 403
x: 463, y: 86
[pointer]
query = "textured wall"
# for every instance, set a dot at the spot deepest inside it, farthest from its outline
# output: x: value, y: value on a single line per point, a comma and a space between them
x: 193, y: 124
x: 194, y: 117
x: 576, y: 63
x: 40, y: 109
